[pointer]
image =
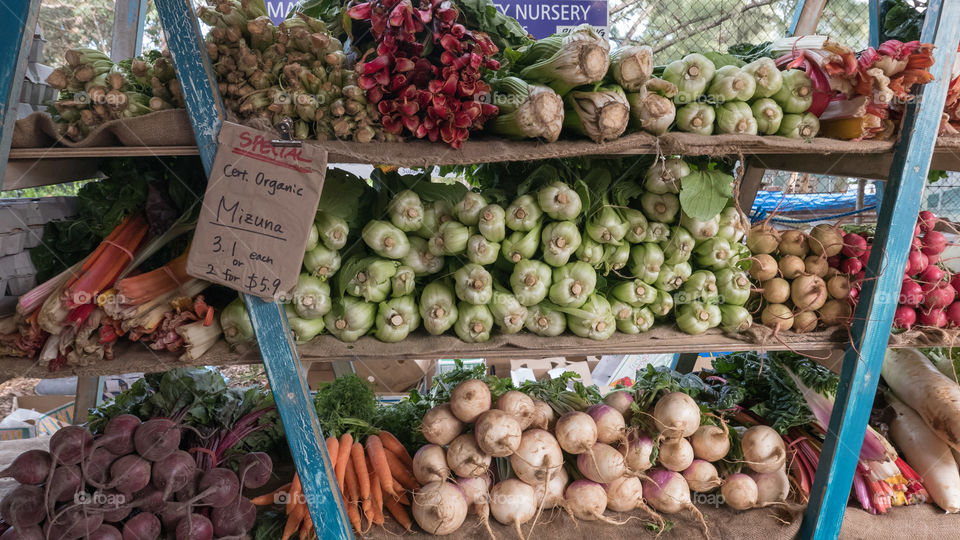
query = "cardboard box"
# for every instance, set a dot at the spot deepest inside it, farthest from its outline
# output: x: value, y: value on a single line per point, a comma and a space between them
x: 57, y: 411
x: 549, y: 367
x: 319, y: 372
x: 396, y: 376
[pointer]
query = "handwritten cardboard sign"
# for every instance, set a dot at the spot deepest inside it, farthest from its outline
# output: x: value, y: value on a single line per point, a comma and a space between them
x: 257, y: 211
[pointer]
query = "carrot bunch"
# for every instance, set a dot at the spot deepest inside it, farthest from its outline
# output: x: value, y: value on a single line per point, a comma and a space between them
x: 369, y: 477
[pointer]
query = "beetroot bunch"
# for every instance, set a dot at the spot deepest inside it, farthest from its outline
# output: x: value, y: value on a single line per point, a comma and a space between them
x: 426, y: 77
x: 928, y: 293
x: 133, y: 481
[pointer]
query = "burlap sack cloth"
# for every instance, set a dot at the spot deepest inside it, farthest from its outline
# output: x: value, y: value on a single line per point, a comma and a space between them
x: 161, y: 128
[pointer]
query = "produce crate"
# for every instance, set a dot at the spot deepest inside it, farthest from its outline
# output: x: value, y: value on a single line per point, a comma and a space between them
x: 21, y: 228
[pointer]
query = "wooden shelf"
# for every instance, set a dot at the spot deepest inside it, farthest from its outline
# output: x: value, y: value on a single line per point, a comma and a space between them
x: 135, y: 357
x: 59, y: 152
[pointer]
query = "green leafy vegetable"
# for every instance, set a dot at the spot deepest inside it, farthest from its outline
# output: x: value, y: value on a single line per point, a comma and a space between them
x: 503, y: 30
x: 348, y: 404
x: 902, y: 19
x: 704, y: 193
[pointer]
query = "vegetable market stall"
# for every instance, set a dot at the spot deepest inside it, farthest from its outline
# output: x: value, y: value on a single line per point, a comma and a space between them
x: 279, y: 356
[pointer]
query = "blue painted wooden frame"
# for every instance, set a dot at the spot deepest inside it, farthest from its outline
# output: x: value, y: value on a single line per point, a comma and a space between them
x: 277, y: 347
x: 17, y: 25
x: 879, y: 297
x: 873, y: 11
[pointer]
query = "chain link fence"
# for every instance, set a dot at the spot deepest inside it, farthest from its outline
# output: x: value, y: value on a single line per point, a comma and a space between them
x: 943, y: 197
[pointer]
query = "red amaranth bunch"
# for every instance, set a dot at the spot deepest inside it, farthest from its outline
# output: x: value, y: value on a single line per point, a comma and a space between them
x: 426, y: 92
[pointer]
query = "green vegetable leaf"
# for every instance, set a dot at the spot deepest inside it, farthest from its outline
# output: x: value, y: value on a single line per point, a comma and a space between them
x: 704, y: 193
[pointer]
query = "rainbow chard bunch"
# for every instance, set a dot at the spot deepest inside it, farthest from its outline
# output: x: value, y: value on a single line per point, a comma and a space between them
x: 427, y: 76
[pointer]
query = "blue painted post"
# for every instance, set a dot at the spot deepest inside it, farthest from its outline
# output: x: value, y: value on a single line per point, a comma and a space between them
x: 873, y: 7
x: 16, y: 33
x: 269, y: 321
x: 874, y: 314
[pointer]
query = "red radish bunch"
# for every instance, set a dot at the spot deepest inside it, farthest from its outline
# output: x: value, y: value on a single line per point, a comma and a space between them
x: 426, y: 91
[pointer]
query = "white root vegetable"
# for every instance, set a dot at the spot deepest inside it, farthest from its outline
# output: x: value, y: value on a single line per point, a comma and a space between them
x: 772, y: 487
x: 513, y: 503
x: 637, y: 451
x: 477, y: 492
x: 465, y: 458
x: 603, y: 464
x: 440, y: 426
x: 550, y: 495
x: 740, y: 492
x: 702, y: 476
x: 537, y: 457
x: 439, y: 508
x: 763, y: 449
x: 498, y: 433
x: 668, y: 492
x: 621, y: 400
x: 676, y: 415
x: 586, y: 501
x: 430, y: 464
x: 675, y: 454
x: 711, y: 443
x: 918, y: 383
x: 519, y: 405
x: 576, y: 432
x: 546, y: 417
x: 610, y: 423
x: 470, y: 399
x: 624, y: 494
x: 927, y: 454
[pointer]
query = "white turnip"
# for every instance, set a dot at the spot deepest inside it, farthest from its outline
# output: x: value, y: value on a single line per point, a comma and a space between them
x: 430, y: 464
x: 763, y: 449
x: 668, y: 492
x: 808, y: 293
x: 498, y: 433
x: 836, y: 313
x: 636, y: 451
x: 470, y: 399
x: 621, y: 400
x: 794, y: 242
x: 777, y: 316
x: 586, y: 501
x: 702, y: 476
x: 826, y: 240
x: 439, y: 508
x: 763, y: 267
x: 740, y: 492
x: 676, y: 415
x: 839, y: 287
x: 675, y: 454
x: 465, y: 458
x: 602, y: 464
x: 772, y: 487
x: 711, y: 443
x: 776, y: 290
x: 610, y: 423
x: 624, y: 494
x: 763, y: 239
x: 513, y: 503
x: 440, y: 426
x: 477, y: 492
x: 546, y: 417
x: 791, y: 266
x: 806, y: 321
x: 576, y: 432
x: 537, y: 457
x: 550, y: 495
x: 519, y: 405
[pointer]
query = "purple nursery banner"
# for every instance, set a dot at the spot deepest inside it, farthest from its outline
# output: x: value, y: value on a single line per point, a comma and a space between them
x: 541, y: 18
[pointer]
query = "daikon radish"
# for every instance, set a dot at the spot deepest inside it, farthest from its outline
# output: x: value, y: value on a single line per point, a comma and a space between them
x: 928, y: 455
x: 918, y: 383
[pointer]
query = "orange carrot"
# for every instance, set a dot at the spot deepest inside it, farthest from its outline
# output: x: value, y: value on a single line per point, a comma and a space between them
x: 270, y: 498
x: 333, y: 450
x: 392, y: 444
x: 399, y: 513
x: 376, y: 497
x: 378, y: 459
x: 306, y: 527
x: 351, y: 495
x: 294, y: 520
x: 401, y: 473
x: 402, y: 499
x: 296, y: 491
x: 363, y: 479
x: 343, y: 456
